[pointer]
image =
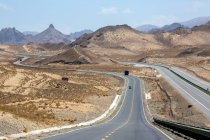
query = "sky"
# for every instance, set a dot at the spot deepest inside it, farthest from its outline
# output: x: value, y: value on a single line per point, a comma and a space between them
x: 75, y: 15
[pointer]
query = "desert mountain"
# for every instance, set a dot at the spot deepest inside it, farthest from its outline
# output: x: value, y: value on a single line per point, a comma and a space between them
x: 31, y: 33
x: 188, y: 24
x: 76, y: 35
x: 108, y: 42
x: 168, y: 28
x: 195, y: 37
x: 153, y: 29
x: 204, y: 28
x: 196, y: 22
x: 119, y: 36
x: 147, y: 28
x: 11, y: 35
x: 75, y: 55
x: 50, y: 35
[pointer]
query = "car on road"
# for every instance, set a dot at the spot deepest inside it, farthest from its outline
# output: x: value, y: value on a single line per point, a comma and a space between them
x: 126, y: 72
x: 130, y: 87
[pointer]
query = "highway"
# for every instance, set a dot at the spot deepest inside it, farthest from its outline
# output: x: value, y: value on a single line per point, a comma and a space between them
x: 195, y: 96
x: 129, y: 123
x: 196, y: 80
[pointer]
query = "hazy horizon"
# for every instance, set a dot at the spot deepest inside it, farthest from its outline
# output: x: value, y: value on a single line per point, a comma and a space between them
x: 70, y: 16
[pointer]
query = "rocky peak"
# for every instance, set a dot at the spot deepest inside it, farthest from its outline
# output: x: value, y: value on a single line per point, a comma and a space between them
x: 51, y: 26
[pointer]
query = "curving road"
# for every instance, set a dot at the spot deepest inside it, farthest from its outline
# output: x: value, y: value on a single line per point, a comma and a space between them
x: 129, y: 123
x: 195, y: 96
x: 196, y: 80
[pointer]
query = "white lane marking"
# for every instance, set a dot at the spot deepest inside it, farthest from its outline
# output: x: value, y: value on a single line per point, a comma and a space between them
x: 200, y: 95
x: 131, y: 112
x: 185, y: 91
x: 149, y: 122
x: 124, y: 92
x: 194, y: 78
x: 166, y: 76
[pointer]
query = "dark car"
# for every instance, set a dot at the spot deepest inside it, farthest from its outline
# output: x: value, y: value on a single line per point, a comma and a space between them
x: 126, y: 72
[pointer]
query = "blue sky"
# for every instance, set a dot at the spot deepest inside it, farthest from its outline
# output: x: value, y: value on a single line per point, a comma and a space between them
x: 74, y: 15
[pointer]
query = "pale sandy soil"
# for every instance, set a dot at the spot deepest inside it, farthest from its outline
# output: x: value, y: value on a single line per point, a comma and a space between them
x: 162, y: 101
x: 31, y: 49
x: 198, y: 66
x: 33, y: 98
x: 6, y: 57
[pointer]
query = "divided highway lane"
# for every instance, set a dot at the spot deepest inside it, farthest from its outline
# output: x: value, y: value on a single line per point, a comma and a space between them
x: 195, y: 96
x: 128, y: 124
x: 192, y: 78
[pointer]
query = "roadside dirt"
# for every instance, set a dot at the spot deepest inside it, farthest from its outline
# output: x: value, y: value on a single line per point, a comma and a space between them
x: 38, y: 98
x: 166, y: 103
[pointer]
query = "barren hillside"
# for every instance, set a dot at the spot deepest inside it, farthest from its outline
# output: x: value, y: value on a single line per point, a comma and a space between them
x: 120, y: 36
x: 116, y: 42
x: 198, y: 35
x: 35, y: 49
x: 75, y: 55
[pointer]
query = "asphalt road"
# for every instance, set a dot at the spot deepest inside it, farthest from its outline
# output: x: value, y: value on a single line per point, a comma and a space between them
x: 192, y: 78
x: 195, y: 96
x: 128, y: 124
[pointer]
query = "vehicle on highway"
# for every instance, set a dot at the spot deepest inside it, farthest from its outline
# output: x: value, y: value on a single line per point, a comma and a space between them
x: 126, y: 72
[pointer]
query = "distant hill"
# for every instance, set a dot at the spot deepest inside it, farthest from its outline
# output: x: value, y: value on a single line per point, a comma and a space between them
x: 194, y: 37
x: 187, y: 24
x: 153, y: 28
x: 76, y: 35
x: 147, y: 28
x: 75, y: 55
x: 30, y: 33
x: 11, y: 36
x: 204, y: 28
x: 50, y: 35
x: 119, y: 36
x: 196, y: 22
x: 168, y: 28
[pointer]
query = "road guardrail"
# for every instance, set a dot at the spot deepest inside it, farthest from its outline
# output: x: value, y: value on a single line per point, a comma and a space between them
x: 188, y: 130
x: 190, y: 82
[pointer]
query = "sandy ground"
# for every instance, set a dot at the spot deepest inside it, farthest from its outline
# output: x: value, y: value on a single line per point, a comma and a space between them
x: 161, y: 100
x: 33, y: 49
x: 34, y: 98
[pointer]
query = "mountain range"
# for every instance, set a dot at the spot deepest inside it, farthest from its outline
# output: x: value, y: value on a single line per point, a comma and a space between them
x: 50, y: 35
x: 147, y: 28
x: 167, y: 28
x: 11, y: 35
x: 122, y: 41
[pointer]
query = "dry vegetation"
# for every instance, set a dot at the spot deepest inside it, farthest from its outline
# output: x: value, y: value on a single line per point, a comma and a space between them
x: 35, y: 49
x: 166, y: 103
x: 35, y: 98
